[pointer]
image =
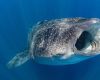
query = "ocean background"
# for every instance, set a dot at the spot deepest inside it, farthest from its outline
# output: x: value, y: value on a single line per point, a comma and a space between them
x: 16, y: 20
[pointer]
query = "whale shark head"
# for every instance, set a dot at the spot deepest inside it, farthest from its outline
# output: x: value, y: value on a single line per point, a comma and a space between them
x: 62, y: 42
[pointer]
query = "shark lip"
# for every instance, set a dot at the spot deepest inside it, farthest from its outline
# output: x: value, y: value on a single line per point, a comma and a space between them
x: 58, y: 61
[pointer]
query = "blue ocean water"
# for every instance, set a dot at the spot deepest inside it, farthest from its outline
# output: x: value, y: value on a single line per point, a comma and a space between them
x: 16, y: 19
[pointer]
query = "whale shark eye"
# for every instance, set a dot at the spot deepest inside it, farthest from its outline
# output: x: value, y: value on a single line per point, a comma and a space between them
x: 84, y: 40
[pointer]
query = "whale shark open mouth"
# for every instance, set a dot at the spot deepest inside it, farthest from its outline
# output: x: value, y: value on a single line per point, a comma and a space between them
x: 84, y: 40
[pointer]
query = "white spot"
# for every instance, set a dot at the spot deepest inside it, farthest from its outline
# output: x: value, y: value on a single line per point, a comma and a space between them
x: 41, y: 44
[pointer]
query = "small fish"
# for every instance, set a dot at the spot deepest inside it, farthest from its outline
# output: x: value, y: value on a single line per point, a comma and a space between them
x: 61, y: 42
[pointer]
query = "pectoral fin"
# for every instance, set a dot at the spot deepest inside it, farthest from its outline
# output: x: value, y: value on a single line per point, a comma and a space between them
x: 19, y: 59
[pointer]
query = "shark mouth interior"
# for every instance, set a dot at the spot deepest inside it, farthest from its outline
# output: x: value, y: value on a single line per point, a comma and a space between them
x: 84, y: 40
